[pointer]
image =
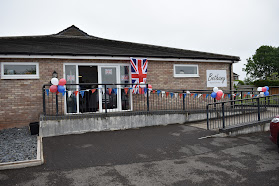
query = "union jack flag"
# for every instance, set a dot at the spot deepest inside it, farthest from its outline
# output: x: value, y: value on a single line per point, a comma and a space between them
x: 138, y: 72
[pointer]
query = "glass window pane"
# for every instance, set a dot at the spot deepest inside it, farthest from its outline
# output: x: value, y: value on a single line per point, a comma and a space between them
x: 124, y: 74
x: 71, y: 99
x: 19, y: 69
x: 109, y: 77
x: 125, y: 93
x: 186, y: 70
x: 70, y: 71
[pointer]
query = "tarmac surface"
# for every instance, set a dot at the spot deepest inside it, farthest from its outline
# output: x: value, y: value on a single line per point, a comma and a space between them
x: 163, y: 155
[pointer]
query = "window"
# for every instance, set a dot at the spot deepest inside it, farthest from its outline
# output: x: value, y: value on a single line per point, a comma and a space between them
x: 19, y: 71
x: 186, y: 71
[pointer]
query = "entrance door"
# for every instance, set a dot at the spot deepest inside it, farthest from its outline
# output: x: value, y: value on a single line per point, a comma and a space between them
x: 88, y: 100
x: 109, y: 97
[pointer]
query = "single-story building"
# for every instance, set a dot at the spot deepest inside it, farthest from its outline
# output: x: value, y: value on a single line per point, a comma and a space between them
x: 29, y: 62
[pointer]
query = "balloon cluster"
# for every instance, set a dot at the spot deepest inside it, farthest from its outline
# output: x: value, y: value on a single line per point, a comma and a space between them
x: 57, y: 85
x: 263, y: 90
x: 217, y: 93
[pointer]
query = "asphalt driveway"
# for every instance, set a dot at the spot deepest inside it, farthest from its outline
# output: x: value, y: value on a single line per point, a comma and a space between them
x: 164, y: 155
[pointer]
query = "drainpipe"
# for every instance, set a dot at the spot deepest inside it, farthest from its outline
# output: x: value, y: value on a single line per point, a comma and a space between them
x: 230, y: 69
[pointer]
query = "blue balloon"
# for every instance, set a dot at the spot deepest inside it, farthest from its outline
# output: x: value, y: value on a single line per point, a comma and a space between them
x: 61, y: 89
x: 267, y: 88
x: 266, y: 93
x: 213, y: 94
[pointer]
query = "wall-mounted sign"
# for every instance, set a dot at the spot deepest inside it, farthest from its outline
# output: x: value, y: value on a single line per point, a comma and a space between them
x: 216, y: 78
x: 108, y: 71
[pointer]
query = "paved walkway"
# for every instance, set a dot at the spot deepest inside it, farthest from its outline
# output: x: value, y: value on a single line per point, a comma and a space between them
x: 164, y: 155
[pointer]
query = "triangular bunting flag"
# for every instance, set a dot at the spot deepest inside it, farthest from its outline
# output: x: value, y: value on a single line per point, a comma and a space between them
x: 167, y: 94
x: 163, y: 93
x: 47, y: 91
x: 153, y: 91
x: 195, y: 95
x: 192, y: 95
x: 115, y: 90
x: 175, y: 95
x: 171, y: 94
x: 158, y: 92
x: 145, y: 90
x: 126, y: 90
x: 109, y: 89
x: 82, y: 93
x: 203, y: 96
x: 207, y: 95
x: 63, y: 93
x: 184, y: 95
x: 229, y: 96
x: 69, y: 93
x: 93, y: 90
x: 244, y: 95
x: 225, y: 95
x: 76, y: 93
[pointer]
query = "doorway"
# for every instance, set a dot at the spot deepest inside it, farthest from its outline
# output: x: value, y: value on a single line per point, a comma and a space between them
x: 88, y: 99
x: 95, y: 98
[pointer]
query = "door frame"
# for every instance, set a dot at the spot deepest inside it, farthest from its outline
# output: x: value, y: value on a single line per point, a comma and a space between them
x: 117, y: 69
x: 99, y: 65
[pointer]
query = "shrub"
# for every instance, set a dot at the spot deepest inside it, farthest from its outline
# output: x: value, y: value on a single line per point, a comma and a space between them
x: 240, y: 82
x: 262, y: 83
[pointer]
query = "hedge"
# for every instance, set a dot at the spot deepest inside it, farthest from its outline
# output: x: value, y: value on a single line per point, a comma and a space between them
x: 262, y: 83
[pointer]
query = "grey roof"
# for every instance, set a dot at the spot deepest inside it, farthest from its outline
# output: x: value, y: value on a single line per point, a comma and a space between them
x: 75, y: 42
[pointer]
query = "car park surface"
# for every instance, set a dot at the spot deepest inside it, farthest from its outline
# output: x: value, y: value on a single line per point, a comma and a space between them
x: 164, y: 155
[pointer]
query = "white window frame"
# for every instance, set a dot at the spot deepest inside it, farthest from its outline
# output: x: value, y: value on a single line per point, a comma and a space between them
x: 99, y: 65
x: 185, y: 75
x: 24, y: 76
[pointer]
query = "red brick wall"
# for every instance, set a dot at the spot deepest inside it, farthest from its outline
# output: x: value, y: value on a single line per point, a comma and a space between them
x: 21, y: 99
x: 160, y: 75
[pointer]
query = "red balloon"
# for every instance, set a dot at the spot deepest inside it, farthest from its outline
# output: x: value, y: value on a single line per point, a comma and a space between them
x: 53, y: 88
x: 62, y: 82
x: 218, y: 97
x: 219, y: 93
x: 264, y: 89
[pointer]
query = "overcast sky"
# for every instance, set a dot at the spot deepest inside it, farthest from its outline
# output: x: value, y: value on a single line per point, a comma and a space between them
x: 232, y: 27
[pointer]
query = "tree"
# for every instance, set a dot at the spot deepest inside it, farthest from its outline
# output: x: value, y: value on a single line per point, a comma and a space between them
x: 263, y: 63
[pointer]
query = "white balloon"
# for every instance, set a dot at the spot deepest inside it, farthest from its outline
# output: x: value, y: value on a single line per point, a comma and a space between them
x: 215, y: 89
x: 260, y: 89
x: 54, y: 81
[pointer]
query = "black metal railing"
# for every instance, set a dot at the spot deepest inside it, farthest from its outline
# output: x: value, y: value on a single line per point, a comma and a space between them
x: 106, y: 98
x: 237, y: 112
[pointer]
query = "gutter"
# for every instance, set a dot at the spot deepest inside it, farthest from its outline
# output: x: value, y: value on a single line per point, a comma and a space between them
x: 104, y: 57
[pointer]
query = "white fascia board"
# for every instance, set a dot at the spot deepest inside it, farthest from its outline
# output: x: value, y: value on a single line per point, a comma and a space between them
x: 112, y: 58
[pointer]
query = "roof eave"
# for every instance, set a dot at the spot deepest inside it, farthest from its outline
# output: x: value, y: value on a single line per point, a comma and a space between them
x: 234, y: 59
